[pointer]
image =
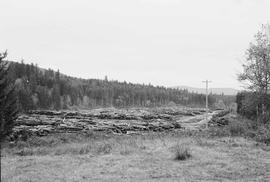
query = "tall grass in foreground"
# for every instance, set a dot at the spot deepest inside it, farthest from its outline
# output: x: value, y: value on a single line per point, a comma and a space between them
x: 182, y: 152
x: 75, y: 144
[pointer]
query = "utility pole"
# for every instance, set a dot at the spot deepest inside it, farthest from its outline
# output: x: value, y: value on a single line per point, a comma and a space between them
x: 206, y: 101
x: 206, y: 91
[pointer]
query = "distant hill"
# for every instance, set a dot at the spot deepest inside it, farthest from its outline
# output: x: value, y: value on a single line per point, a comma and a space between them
x: 225, y: 91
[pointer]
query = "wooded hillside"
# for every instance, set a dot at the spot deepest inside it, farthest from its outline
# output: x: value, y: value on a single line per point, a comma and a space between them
x: 47, y: 89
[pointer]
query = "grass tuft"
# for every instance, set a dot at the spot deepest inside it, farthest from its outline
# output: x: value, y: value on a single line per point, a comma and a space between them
x: 182, y: 153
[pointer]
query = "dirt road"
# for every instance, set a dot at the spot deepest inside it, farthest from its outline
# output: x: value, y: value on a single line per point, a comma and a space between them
x: 196, y: 122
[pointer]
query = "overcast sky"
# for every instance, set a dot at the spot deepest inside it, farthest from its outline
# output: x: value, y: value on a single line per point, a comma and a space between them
x: 163, y: 42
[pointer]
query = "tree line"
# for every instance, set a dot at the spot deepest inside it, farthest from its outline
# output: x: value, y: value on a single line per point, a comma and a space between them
x: 39, y: 88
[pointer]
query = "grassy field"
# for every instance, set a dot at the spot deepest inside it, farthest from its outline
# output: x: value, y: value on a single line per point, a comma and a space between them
x: 179, y: 156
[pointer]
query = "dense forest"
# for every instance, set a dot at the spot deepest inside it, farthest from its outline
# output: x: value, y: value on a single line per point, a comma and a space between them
x: 39, y: 88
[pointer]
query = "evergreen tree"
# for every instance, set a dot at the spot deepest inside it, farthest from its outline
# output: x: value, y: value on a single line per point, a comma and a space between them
x: 8, y: 101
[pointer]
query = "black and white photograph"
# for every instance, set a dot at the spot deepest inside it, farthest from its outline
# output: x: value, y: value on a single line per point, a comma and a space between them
x: 135, y: 90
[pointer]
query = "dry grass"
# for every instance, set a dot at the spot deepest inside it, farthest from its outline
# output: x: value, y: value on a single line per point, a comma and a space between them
x: 74, y: 144
x: 149, y: 157
x: 182, y: 153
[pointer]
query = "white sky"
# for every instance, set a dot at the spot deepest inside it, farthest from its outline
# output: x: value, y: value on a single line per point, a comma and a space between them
x: 163, y: 42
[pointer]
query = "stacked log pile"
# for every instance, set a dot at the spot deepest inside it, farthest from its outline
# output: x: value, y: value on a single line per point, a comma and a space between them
x: 220, y: 119
x: 109, y: 120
